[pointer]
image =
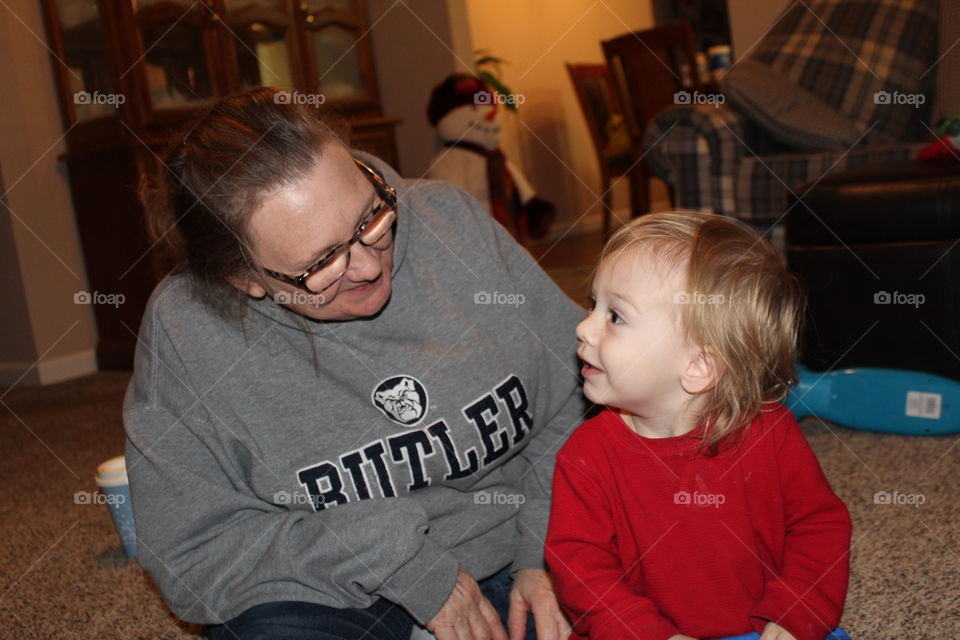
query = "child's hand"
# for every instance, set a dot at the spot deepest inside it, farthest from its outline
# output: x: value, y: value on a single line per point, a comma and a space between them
x: 774, y: 631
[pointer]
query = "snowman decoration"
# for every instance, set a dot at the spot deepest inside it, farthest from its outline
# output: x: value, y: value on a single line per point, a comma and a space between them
x: 467, y: 115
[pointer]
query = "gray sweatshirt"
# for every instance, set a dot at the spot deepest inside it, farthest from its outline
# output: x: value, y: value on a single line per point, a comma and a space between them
x: 426, y: 441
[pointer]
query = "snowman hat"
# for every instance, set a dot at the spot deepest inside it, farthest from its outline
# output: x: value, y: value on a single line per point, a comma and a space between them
x: 457, y: 90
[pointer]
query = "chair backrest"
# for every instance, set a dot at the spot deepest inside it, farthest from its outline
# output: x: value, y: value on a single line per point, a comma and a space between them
x: 598, y: 101
x: 648, y: 68
x: 849, y: 54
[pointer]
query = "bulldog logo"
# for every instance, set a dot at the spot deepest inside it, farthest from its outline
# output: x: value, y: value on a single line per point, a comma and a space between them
x: 403, y: 399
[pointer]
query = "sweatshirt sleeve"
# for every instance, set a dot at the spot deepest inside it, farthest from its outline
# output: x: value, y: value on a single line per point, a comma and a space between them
x: 807, y: 597
x: 550, y: 319
x: 587, y: 572
x: 214, y: 548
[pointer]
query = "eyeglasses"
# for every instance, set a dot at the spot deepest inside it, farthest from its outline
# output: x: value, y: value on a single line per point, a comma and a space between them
x: 374, y: 231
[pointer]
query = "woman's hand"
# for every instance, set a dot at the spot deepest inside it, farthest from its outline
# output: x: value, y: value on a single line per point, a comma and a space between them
x: 467, y: 615
x: 774, y: 631
x: 533, y: 591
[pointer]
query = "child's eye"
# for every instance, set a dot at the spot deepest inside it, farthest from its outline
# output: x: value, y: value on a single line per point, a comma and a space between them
x: 615, y: 317
x: 591, y: 303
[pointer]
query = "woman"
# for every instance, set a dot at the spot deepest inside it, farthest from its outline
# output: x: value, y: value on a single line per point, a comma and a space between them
x: 346, y: 399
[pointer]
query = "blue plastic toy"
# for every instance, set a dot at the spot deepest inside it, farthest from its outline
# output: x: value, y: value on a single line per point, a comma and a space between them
x: 836, y: 634
x: 887, y: 400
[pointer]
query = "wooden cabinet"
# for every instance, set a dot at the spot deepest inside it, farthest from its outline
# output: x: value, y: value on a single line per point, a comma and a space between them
x: 130, y: 72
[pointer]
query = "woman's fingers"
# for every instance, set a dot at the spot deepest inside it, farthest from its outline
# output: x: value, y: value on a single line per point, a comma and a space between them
x: 550, y: 623
x: 533, y: 592
x: 467, y: 614
x: 517, y: 619
x: 566, y: 629
x: 491, y: 619
x: 466, y: 628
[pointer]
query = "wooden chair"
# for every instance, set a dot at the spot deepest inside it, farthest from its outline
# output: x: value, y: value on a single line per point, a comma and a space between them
x: 600, y: 107
x: 647, y: 69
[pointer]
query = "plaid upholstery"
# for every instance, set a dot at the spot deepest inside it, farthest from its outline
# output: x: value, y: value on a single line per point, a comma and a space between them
x: 760, y: 190
x: 709, y: 154
x: 695, y: 147
x: 719, y: 161
x: 845, y: 51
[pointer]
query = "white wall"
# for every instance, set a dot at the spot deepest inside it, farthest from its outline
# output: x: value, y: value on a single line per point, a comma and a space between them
x: 749, y: 21
x: 416, y: 45
x: 549, y: 137
x: 16, y: 337
x: 38, y: 213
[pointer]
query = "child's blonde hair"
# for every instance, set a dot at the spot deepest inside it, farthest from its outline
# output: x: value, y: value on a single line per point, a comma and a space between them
x: 741, y: 305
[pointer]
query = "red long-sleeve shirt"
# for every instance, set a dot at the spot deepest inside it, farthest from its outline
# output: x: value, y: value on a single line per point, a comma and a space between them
x: 649, y: 538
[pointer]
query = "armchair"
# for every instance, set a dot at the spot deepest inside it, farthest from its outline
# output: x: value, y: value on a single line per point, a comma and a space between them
x: 833, y: 84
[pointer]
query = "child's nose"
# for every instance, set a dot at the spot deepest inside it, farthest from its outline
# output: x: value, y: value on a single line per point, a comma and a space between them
x: 583, y: 330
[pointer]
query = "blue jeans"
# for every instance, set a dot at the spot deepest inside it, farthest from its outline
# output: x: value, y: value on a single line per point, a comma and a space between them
x: 383, y: 620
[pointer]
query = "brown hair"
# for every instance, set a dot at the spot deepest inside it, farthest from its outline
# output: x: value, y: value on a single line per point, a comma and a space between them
x: 741, y: 305
x: 217, y: 171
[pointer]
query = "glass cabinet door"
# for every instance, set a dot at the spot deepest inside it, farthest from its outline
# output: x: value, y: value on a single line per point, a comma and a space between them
x: 176, y: 37
x: 89, y: 74
x: 341, y: 66
x: 261, y: 35
x: 337, y: 62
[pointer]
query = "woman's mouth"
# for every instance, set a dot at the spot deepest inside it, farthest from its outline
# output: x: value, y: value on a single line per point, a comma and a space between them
x: 360, y: 290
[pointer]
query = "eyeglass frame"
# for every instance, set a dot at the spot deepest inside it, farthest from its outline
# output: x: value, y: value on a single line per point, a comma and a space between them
x: 386, y: 193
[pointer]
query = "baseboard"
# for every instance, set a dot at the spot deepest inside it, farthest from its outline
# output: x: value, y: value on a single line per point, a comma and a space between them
x: 62, y: 368
x: 19, y: 373
x: 48, y: 371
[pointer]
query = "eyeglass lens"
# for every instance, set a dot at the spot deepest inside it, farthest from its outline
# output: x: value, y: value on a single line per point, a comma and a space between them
x: 375, y: 234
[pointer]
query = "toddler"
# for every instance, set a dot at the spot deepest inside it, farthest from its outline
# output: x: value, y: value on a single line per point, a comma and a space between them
x: 692, y: 506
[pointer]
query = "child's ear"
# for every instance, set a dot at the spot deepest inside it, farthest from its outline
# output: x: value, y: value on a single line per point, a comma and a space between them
x: 702, y: 373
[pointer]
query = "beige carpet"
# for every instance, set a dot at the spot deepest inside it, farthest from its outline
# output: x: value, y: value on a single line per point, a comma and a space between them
x: 64, y: 576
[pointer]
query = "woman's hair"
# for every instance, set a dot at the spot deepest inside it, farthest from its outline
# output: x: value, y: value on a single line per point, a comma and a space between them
x: 741, y: 305
x: 215, y: 175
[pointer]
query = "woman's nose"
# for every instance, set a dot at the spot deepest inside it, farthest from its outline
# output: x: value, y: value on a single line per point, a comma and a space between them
x: 364, y: 263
